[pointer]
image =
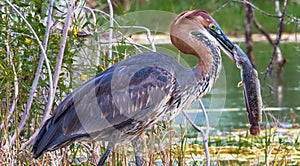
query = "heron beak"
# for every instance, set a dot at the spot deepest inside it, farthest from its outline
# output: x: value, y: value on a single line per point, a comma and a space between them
x: 224, y: 43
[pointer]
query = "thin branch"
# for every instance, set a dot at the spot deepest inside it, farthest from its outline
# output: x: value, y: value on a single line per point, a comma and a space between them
x: 281, y: 19
x: 92, y: 12
x: 16, y: 84
x: 293, y: 19
x: 148, y: 34
x: 276, y: 121
x: 248, y: 30
x: 221, y: 7
x: 262, y: 30
x: 205, y: 118
x: 130, y: 27
x: 135, y: 45
x: 200, y: 130
x: 257, y: 8
x: 280, y: 60
x: 277, y: 52
x: 110, y: 35
x: 59, y: 60
x: 203, y: 134
x: 30, y: 98
x: 40, y: 65
x: 98, y: 46
x: 22, y: 34
x: 205, y: 141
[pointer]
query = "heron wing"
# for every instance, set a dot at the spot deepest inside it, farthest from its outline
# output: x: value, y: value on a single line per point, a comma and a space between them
x: 125, y: 98
x: 130, y: 92
x: 119, y: 100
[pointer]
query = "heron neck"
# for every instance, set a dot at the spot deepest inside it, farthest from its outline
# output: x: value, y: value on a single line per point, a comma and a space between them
x: 208, y: 72
x: 209, y: 58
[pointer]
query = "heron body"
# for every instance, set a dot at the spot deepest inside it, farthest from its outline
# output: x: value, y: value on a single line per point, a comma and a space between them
x: 118, y: 104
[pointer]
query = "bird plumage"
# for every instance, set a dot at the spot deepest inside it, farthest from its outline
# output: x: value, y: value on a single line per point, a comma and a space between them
x: 125, y: 99
x: 121, y: 102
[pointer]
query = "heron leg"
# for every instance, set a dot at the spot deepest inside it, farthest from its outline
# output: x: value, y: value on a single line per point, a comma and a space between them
x: 136, y: 149
x: 105, y: 154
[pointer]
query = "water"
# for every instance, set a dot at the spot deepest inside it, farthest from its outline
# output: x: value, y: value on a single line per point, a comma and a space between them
x: 225, y: 102
x: 291, y: 77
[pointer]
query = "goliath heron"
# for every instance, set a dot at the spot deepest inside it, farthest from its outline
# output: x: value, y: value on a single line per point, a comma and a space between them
x: 118, y: 104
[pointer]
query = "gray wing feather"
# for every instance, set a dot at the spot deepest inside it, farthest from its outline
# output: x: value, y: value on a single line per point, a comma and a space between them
x: 129, y: 93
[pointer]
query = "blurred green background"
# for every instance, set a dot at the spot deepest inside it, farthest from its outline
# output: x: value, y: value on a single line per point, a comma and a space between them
x: 221, y: 9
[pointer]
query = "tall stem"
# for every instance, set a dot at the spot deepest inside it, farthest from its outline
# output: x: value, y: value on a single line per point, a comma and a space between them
x: 203, y: 134
x: 59, y: 60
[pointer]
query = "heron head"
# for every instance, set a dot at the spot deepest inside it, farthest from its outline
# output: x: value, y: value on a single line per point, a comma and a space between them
x: 199, y: 25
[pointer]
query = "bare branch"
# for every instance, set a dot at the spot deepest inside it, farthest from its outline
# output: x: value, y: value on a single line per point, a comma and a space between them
x: 280, y: 60
x: 263, y: 31
x: 110, y: 35
x: 148, y: 34
x: 221, y: 7
x: 248, y: 30
x: 281, y: 19
x: 257, y: 8
x: 149, y: 38
x: 39, y: 68
x: 292, y: 18
x: 203, y: 134
x: 277, y: 52
x: 28, y: 106
x: 59, y: 60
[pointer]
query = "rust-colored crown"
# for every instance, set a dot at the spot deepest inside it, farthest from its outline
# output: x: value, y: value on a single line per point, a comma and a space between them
x: 183, y: 24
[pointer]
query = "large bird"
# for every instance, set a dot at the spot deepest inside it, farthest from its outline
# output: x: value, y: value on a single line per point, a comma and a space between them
x: 118, y: 104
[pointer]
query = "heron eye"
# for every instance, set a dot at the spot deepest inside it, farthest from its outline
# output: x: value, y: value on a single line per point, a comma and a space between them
x: 212, y: 26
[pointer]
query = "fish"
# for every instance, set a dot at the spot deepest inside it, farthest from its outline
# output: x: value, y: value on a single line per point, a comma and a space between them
x: 252, y: 91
